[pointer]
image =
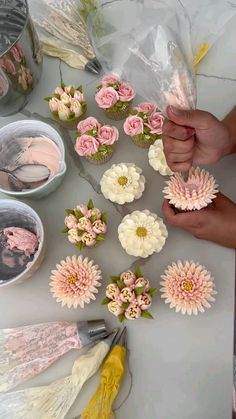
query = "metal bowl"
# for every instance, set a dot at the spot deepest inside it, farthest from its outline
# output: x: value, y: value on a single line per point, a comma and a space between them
x: 17, y: 214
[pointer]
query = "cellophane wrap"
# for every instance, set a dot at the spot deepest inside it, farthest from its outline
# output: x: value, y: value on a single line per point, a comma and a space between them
x: 156, y: 44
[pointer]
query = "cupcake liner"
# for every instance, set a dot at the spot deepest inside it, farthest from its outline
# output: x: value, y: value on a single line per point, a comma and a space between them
x: 71, y: 125
x: 102, y: 160
x: 119, y: 115
x: 142, y: 143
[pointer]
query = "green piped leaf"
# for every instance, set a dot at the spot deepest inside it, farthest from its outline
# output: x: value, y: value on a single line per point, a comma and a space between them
x: 100, y: 237
x: 121, y: 318
x: 105, y: 301
x: 57, y: 96
x: 152, y: 292
x: 80, y: 88
x: 93, y: 218
x: 114, y: 279
x: 147, y: 315
x: 48, y: 98
x: 90, y: 204
x: 65, y: 230
x: 69, y: 211
x: 104, y: 217
x: 121, y: 284
x: 63, y: 85
x: 139, y: 290
x: 138, y: 272
x: 125, y: 306
x: 80, y: 245
x: 78, y: 214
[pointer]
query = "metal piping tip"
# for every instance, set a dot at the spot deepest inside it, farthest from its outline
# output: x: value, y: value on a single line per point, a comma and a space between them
x: 121, y: 340
x: 91, y: 68
x: 97, y: 63
x: 111, y: 337
x: 185, y: 176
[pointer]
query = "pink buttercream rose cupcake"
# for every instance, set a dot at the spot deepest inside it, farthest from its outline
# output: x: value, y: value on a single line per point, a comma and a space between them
x: 85, y: 225
x: 144, y: 124
x: 114, y: 96
x: 67, y: 105
x: 95, y: 141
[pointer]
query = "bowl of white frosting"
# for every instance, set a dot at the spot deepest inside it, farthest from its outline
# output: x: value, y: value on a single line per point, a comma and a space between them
x: 32, y: 159
x: 22, y: 242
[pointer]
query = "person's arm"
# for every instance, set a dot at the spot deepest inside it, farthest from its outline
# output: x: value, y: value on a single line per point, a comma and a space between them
x: 197, y: 137
x: 216, y: 223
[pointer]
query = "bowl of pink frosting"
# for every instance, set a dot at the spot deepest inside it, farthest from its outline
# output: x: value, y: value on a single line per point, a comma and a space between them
x: 27, y: 145
x: 22, y: 243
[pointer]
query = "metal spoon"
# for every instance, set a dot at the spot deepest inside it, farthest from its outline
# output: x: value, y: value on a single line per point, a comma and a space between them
x: 26, y: 176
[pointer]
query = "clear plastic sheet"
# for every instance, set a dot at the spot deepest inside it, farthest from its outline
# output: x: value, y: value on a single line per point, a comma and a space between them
x: 154, y: 44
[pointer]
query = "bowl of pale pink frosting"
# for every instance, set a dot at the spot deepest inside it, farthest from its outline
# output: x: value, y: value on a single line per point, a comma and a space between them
x: 34, y: 152
x: 22, y: 243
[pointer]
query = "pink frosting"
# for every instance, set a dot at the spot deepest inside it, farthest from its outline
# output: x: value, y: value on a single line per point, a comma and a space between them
x: 146, y: 107
x: 8, y: 65
x: 133, y: 125
x: 126, y: 92
x: 106, y: 97
x: 108, y: 135
x: 16, y: 55
x: 21, y: 239
x: 110, y: 78
x: 86, y: 145
x: 155, y: 123
x: 88, y: 124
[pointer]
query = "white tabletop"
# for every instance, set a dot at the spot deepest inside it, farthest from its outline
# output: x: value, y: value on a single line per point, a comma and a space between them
x: 179, y: 367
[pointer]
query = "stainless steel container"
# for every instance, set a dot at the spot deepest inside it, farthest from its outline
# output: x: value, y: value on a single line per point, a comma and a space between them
x: 20, y: 56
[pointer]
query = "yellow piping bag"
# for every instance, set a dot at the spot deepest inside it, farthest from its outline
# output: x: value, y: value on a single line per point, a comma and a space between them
x: 100, y: 406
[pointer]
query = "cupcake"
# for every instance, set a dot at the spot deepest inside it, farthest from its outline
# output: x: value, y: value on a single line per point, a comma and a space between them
x: 188, y: 287
x: 198, y: 192
x: 85, y: 225
x: 129, y: 296
x: 123, y: 183
x: 144, y: 124
x: 142, y: 233
x: 74, y: 282
x: 115, y: 97
x: 95, y: 141
x: 67, y: 105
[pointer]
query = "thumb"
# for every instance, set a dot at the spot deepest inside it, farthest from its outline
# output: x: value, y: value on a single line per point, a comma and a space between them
x: 190, y: 118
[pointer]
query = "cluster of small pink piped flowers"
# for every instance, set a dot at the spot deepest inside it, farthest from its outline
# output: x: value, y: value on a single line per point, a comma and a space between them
x: 85, y: 225
x: 129, y: 296
x: 67, y: 102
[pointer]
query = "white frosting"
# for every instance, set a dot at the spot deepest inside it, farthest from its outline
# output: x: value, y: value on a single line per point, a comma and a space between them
x: 123, y: 183
x: 157, y: 159
x: 137, y: 244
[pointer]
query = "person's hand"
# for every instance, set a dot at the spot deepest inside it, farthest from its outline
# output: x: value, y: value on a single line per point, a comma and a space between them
x: 194, y: 138
x: 216, y: 223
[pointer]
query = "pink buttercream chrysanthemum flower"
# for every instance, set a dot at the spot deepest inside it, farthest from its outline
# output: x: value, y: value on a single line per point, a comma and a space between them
x: 198, y: 192
x: 75, y: 281
x: 188, y: 287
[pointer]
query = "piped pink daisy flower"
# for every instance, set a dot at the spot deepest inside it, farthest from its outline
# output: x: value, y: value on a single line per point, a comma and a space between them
x: 198, y: 192
x: 75, y: 281
x: 188, y: 287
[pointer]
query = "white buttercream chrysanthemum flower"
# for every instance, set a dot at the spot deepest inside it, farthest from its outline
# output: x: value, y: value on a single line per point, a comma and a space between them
x: 188, y: 287
x: 123, y: 183
x: 157, y: 159
x: 198, y: 192
x: 142, y: 233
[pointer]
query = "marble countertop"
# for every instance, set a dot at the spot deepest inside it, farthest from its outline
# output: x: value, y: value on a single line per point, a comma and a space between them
x: 179, y: 367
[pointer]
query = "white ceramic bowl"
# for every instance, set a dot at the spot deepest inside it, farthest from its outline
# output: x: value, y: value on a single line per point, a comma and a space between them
x: 16, y: 214
x: 32, y: 128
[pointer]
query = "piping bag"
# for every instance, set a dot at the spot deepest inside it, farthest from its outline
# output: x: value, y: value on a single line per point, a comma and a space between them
x: 100, y: 406
x: 27, y: 351
x: 55, y: 400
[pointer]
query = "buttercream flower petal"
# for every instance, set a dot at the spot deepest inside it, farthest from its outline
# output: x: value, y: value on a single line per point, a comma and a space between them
x: 157, y: 159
